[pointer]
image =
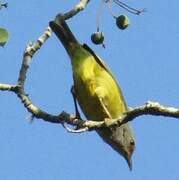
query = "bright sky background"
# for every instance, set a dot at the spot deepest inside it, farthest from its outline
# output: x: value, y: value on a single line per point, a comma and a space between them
x: 144, y: 58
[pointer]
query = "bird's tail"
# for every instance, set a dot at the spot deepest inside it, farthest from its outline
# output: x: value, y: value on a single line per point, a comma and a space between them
x: 63, y: 32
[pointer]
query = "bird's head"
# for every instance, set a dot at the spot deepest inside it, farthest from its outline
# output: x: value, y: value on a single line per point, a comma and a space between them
x: 122, y: 140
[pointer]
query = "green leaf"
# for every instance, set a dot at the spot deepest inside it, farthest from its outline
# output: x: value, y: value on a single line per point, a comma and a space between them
x: 4, y: 36
x: 3, y: 5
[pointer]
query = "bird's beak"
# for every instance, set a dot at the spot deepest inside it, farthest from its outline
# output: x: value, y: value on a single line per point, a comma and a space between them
x: 129, y: 162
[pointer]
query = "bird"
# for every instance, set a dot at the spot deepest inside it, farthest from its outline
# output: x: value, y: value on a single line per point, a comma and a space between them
x: 96, y: 90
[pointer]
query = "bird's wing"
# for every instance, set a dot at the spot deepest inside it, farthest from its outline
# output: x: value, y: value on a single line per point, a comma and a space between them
x: 97, y: 58
x: 103, y: 65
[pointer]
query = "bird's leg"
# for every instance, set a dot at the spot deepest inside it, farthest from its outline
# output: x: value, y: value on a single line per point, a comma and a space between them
x: 108, y: 118
x: 75, y: 102
x: 105, y: 109
x: 100, y: 95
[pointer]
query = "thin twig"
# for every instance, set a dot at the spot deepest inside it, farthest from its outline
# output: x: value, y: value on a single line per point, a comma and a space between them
x: 79, y: 7
x: 128, y: 8
x: 8, y: 87
x: 29, y: 52
x: 110, y: 8
x: 99, y: 15
x: 70, y: 130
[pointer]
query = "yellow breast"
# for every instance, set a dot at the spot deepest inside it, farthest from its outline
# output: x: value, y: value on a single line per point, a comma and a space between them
x: 92, y: 82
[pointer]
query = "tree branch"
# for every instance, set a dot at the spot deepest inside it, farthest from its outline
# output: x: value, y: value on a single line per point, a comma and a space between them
x: 79, y: 7
x: 150, y: 108
x: 18, y: 89
x: 8, y: 87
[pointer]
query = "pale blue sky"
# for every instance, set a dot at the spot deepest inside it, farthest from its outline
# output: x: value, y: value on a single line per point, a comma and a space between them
x: 144, y: 58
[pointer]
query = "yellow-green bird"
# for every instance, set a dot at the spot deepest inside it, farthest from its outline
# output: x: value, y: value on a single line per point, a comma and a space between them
x: 96, y: 90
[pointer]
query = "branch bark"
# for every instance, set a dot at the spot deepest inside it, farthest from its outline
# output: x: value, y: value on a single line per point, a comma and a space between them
x: 79, y: 7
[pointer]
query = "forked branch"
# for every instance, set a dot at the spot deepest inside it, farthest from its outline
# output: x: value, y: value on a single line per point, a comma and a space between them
x: 64, y: 118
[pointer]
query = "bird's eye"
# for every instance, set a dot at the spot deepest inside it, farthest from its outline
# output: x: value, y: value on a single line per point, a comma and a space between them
x: 132, y: 143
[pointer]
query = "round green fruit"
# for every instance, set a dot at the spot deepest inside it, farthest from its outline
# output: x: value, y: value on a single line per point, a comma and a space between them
x: 97, y: 38
x: 122, y: 22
